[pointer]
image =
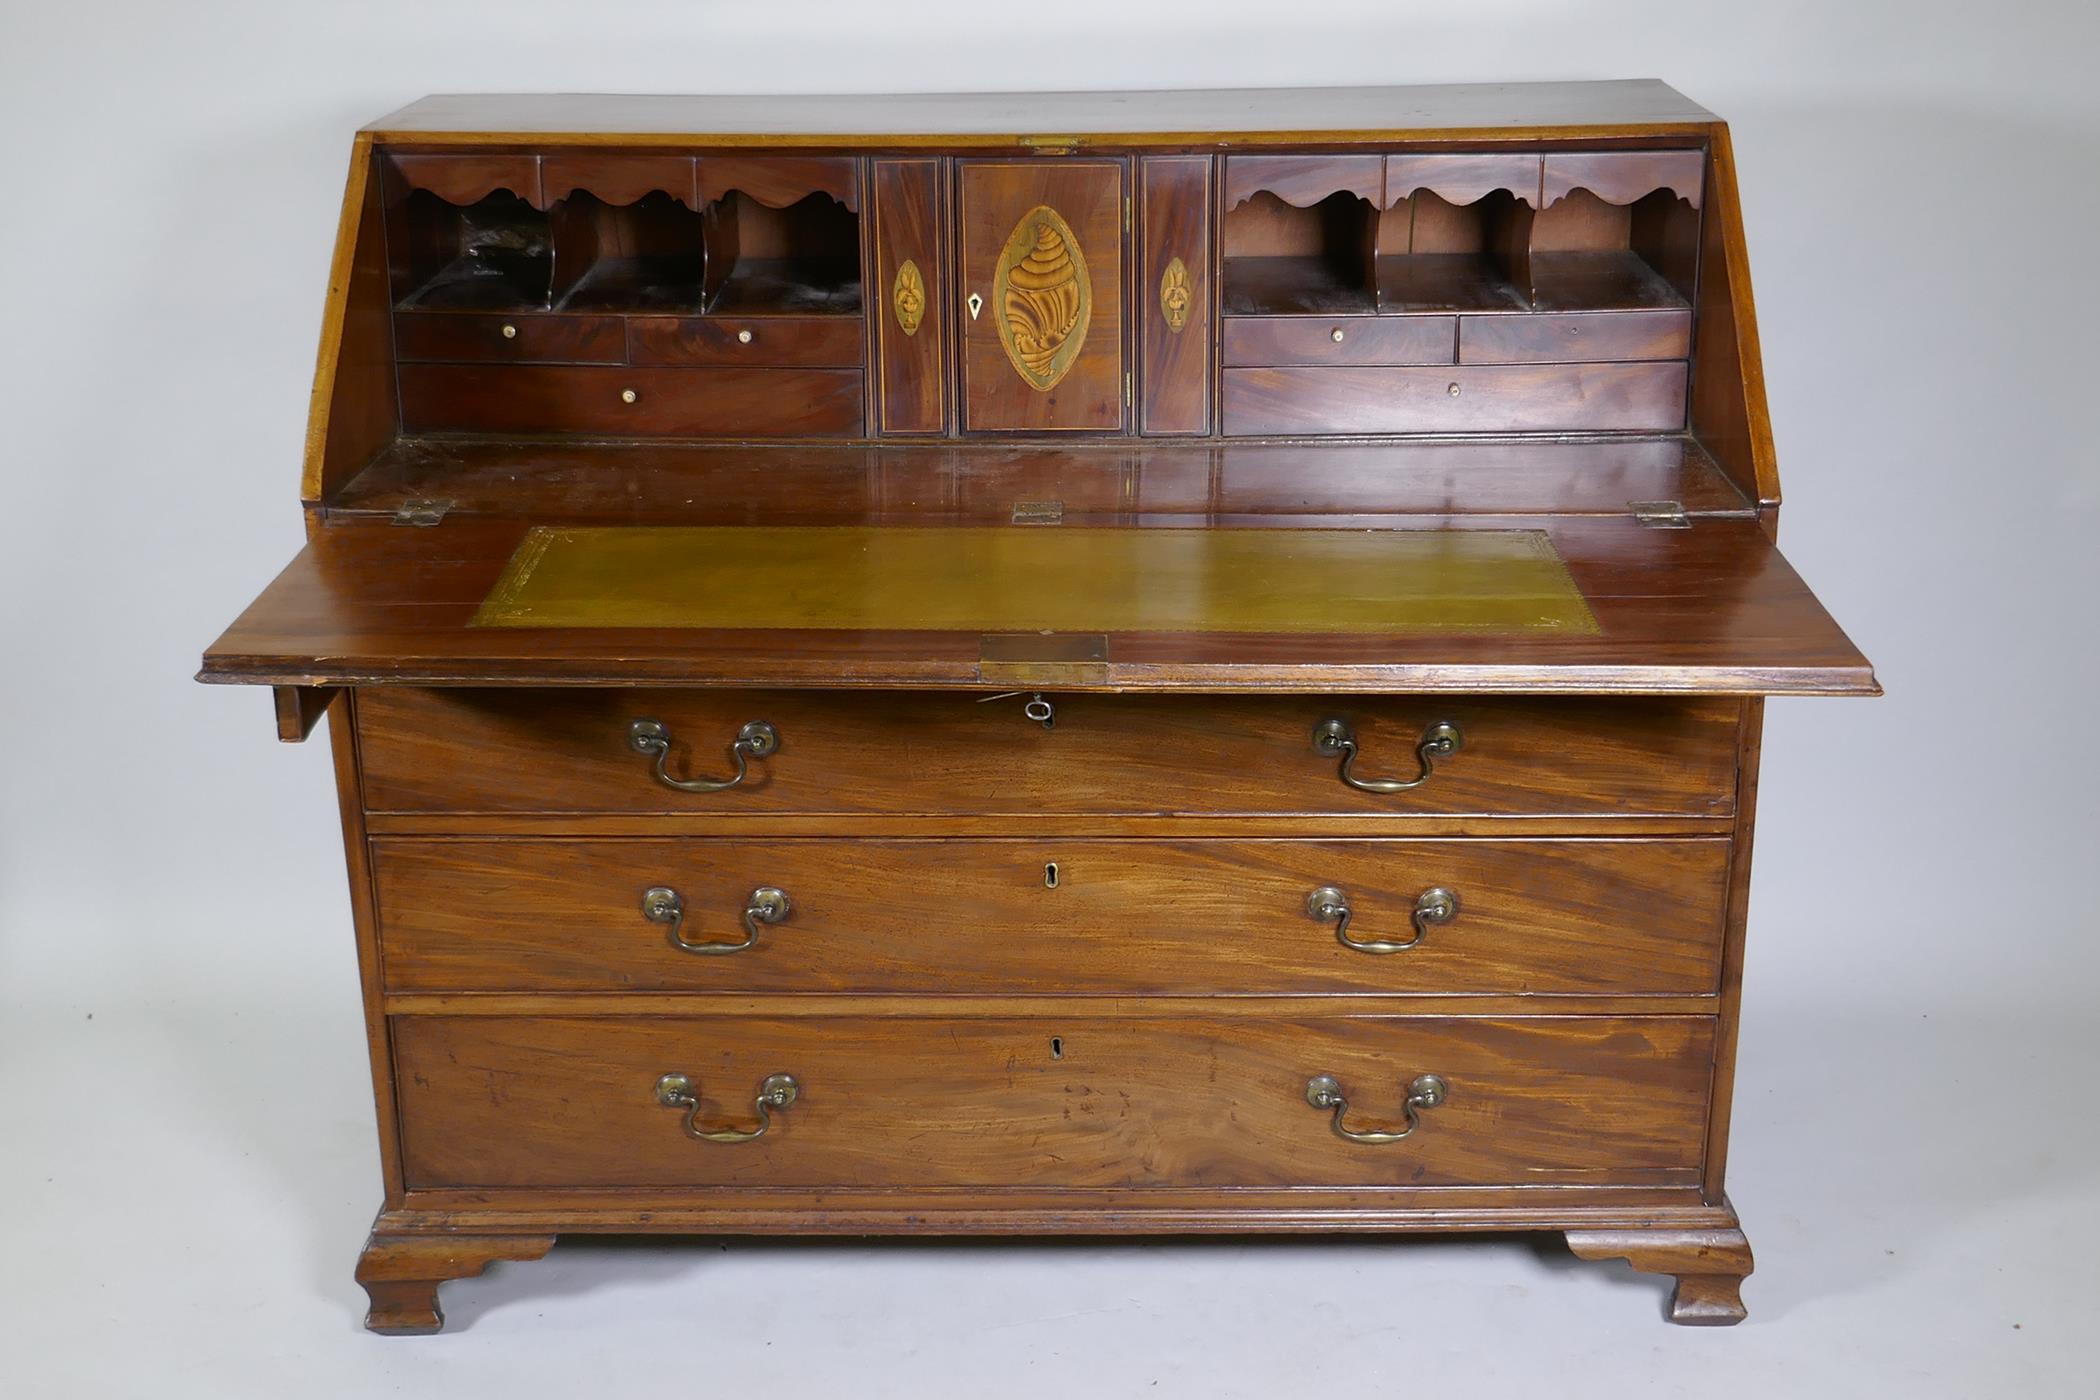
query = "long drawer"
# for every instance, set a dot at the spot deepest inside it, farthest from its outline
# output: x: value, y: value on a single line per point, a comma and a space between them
x: 1045, y: 1101
x: 1468, y: 398
x: 629, y: 402
x: 523, y: 750
x: 996, y: 917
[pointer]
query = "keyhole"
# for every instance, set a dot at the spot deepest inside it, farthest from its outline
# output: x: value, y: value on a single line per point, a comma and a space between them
x: 1050, y: 876
x: 1057, y: 1047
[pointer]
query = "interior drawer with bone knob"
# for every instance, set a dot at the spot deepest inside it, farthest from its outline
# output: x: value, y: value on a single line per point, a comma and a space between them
x: 1051, y: 1100
x: 992, y: 917
x: 802, y: 752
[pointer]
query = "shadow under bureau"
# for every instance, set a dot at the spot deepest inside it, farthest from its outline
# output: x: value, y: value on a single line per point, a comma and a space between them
x: 1121, y: 664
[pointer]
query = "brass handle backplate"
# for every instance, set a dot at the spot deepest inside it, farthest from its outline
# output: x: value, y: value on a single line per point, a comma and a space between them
x: 776, y: 1092
x: 1439, y: 740
x: 1435, y: 905
x: 664, y: 905
x: 652, y: 739
x: 1324, y: 1091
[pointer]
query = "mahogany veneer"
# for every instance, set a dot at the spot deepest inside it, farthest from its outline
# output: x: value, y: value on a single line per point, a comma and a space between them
x: 698, y: 892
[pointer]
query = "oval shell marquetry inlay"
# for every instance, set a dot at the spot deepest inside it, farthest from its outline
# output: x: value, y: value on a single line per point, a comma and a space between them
x: 908, y: 297
x: 1043, y: 298
x: 1175, y: 294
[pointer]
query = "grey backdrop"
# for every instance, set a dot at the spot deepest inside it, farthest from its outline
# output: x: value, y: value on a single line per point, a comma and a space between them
x: 186, y: 1161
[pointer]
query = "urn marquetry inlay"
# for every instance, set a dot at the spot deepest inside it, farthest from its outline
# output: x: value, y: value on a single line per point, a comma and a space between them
x: 1043, y: 298
x: 908, y: 297
x: 1175, y: 294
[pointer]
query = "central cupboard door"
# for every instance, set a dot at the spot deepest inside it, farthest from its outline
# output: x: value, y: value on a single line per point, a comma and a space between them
x: 1042, y: 266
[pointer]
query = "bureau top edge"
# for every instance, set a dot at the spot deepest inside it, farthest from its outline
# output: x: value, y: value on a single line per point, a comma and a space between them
x: 1192, y: 117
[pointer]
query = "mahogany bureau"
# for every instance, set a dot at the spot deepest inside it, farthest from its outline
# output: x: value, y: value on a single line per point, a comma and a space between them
x: 1119, y: 663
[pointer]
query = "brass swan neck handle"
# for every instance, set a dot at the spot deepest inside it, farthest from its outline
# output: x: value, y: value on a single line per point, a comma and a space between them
x: 652, y: 739
x: 663, y: 905
x: 1333, y: 737
x: 775, y: 1092
x: 1435, y: 905
x: 1424, y: 1093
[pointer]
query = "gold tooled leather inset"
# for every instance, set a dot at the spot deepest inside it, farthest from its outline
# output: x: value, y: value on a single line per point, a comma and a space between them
x: 1062, y: 579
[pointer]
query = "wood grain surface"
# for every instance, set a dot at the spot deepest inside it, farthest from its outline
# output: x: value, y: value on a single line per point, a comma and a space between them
x: 996, y: 198
x: 591, y: 399
x: 1093, y: 1102
x: 909, y: 225
x: 1043, y: 979
x: 897, y: 752
x: 1174, y: 360
x: 1524, y: 398
x: 1711, y: 609
x: 1024, y: 917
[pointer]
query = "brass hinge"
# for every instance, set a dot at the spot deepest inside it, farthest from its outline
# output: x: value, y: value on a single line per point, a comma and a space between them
x: 1126, y: 213
x: 1660, y: 515
x: 1126, y: 388
x: 421, y: 512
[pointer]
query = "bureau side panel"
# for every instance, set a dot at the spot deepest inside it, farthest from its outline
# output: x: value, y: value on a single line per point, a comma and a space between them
x: 1749, y: 750
x: 343, y: 749
x: 353, y: 411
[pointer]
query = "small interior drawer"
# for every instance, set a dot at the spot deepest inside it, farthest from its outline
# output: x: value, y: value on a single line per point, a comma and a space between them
x: 1339, y: 340
x: 522, y: 338
x: 1574, y: 336
x: 746, y: 340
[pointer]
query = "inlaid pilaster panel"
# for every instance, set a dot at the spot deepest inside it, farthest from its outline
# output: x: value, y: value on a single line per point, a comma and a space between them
x: 907, y: 296
x: 1174, y: 294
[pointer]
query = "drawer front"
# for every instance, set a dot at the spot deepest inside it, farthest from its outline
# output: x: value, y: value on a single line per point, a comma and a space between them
x: 993, y: 917
x: 1303, y: 180
x: 463, y: 750
x: 746, y: 340
x: 1048, y: 1101
x: 667, y: 402
x: 462, y: 335
x: 1480, y: 398
x: 1574, y: 335
x: 1621, y: 177
x: 1339, y: 340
